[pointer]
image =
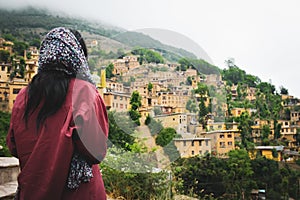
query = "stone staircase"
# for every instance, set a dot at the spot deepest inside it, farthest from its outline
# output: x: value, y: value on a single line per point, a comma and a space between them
x: 9, y: 170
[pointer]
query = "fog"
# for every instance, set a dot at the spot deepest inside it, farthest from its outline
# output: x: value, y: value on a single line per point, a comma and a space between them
x: 262, y: 36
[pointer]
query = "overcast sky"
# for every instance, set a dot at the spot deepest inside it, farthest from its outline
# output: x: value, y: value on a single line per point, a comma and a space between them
x: 263, y: 36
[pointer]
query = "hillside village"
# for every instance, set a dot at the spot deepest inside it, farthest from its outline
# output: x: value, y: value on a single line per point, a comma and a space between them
x: 167, y: 93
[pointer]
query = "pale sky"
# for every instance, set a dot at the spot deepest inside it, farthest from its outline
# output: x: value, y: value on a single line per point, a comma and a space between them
x: 263, y: 36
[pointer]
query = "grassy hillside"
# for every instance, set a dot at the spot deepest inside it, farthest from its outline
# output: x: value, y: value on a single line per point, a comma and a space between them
x: 30, y: 23
x: 139, y: 39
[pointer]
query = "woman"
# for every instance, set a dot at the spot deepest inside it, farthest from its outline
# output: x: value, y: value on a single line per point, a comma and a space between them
x: 59, y: 125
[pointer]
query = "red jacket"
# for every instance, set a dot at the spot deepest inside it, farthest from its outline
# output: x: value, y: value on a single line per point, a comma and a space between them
x: 45, y: 154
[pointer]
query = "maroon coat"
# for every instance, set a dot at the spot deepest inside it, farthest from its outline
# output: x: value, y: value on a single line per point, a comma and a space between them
x: 45, y: 154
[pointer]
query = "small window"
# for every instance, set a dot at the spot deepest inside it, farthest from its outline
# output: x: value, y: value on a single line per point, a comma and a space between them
x: 222, y: 136
x: 184, y: 143
x: 222, y: 144
x: 229, y: 143
x: 193, y: 153
x: 16, y: 91
x: 193, y: 143
x: 229, y: 136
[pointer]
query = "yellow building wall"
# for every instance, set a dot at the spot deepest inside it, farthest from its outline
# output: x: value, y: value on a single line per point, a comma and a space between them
x: 169, y: 120
x: 193, y: 147
x: 14, y: 88
x: 267, y: 153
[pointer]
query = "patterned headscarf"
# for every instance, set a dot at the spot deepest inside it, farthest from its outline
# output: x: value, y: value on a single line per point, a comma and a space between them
x: 60, y: 46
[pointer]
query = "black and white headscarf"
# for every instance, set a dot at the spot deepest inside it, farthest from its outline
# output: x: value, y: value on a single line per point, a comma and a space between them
x: 61, y: 46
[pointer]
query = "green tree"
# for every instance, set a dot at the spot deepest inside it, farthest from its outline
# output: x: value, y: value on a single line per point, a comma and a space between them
x: 35, y: 42
x: 277, y: 129
x: 4, y: 56
x: 4, y: 127
x: 203, y: 111
x: 265, y: 133
x: 120, y: 130
x: 128, y: 175
x: 199, y: 176
x: 150, y: 87
x: 19, y: 47
x: 135, y: 102
x: 283, y: 91
x: 238, y: 178
x: 234, y: 75
x: 191, y: 106
x: 189, y: 80
x: 149, y: 56
x: 109, y: 71
x: 245, y: 123
x: 22, y: 67
x: 165, y: 136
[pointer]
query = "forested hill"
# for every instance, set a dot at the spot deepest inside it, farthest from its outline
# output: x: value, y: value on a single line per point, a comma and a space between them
x: 31, y: 23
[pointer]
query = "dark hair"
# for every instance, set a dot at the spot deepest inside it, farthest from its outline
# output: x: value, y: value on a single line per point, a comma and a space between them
x: 49, y: 88
x: 81, y: 41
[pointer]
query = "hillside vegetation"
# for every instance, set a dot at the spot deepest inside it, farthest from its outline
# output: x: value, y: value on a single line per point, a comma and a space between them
x: 31, y: 23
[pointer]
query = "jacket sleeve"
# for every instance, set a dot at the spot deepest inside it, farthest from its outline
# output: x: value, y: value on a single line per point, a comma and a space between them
x: 91, y: 133
x: 10, y: 140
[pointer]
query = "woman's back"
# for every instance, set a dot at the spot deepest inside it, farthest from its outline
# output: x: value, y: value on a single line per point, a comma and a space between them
x: 45, y: 154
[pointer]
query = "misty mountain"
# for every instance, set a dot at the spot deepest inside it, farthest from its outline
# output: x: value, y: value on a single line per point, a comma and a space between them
x: 30, y: 23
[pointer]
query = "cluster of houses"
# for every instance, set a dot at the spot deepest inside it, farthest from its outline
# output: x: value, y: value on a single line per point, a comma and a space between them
x: 165, y: 94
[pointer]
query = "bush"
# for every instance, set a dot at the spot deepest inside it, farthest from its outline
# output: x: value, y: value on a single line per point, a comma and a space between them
x: 4, y: 126
x: 165, y: 136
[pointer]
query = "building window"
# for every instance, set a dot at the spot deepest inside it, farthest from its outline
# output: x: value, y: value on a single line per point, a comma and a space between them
x: 222, y: 136
x: 193, y: 143
x: 200, y: 143
x: 115, y: 97
x: 193, y: 153
x: 200, y: 152
x: 184, y: 143
x: 16, y: 91
x: 229, y: 143
x: 206, y: 142
x: 222, y: 144
x: 229, y: 136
